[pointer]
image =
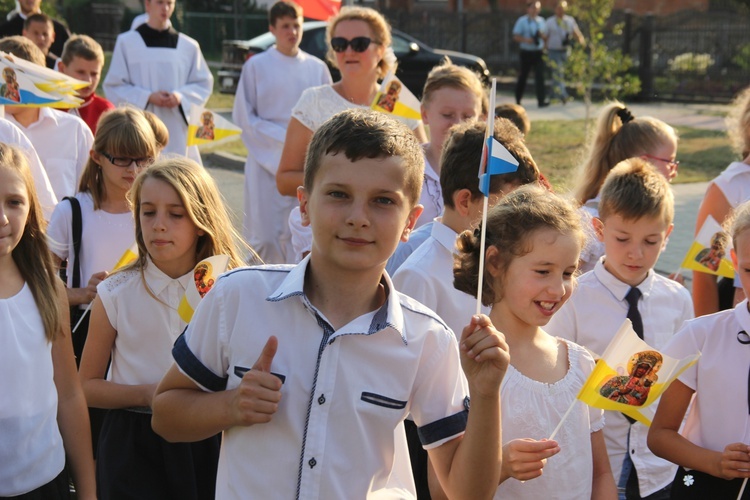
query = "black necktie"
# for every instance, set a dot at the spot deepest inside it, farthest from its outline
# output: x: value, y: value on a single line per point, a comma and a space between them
x: 633, y: 315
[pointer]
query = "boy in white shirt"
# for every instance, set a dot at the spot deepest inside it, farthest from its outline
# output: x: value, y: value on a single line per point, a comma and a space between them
x: 342, y: 358
x: 635, y: 218
x: 61, y: 140
x: 270, y: 85
x: 427, y: 275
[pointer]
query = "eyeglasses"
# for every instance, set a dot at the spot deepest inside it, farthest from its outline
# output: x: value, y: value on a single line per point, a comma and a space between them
x: 358, y: 44
x: 671, y: 163
x: 124, y: 161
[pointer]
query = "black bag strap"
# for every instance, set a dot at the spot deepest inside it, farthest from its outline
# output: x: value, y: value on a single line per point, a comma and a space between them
x: 77, y: 232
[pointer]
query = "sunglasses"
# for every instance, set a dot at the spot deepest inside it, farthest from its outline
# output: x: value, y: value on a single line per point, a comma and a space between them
x: 126, y: 162
x: 358, y: 44
x: 671, y: 163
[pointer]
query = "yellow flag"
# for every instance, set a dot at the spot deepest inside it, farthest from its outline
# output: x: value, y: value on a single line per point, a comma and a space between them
x: 23, y: 83
x: 631, y: 375
x: 709, y: 252
x: 205, y: 127
x: 129, y: 256
x: 396, y: 99
x: 204, y: 276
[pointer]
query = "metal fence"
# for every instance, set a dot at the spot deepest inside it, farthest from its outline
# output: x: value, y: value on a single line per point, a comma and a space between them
x: 685, y: 56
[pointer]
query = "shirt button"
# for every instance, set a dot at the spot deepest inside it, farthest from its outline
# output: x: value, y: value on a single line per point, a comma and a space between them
x: 312, y: 462
x: 321, y: 399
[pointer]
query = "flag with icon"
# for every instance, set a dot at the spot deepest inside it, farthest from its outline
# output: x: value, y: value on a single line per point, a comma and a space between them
x: 205, y: 274
x: 29, y: 85
x: 710, y: 250
x: 396, y: 99
x: 205, y: 126
x: 631, y: 375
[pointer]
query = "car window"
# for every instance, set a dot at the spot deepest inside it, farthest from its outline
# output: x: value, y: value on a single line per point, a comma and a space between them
x: 314, y: 42
x: 401, y: 46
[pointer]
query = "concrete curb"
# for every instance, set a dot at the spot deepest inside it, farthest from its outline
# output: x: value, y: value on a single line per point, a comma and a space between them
x: 227, y: 161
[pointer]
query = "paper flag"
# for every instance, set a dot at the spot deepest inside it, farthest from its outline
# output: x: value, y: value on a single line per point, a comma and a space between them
x: 205, y: 126
x: 631, y: 375
x: 27, y: 84
x: 129, y: 256
x: 321, y: 10
x: 204, y: 275
x: 496, y: 159
x: 396, y: 99
x: 709, y: 252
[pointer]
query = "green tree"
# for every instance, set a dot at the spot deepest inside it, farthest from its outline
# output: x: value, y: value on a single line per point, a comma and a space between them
x: 595, y: 65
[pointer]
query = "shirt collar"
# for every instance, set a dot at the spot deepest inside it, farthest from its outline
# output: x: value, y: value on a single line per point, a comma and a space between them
x: 389, y: 316
x: 742, y: 315
x: 444, y: 235
x: 47, y: 113
x: 429, y: 171
x: 616, y: 287
x: 157, y: 281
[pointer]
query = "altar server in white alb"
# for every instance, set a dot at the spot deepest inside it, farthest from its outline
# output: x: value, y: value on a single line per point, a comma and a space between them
x: 270, y: 85
x: 158, y: 69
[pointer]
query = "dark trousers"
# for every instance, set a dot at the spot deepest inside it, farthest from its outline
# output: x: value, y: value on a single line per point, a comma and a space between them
x: 531, y: 59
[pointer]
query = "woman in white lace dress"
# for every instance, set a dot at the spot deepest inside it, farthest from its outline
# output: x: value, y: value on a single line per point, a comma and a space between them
x: 358, y: 43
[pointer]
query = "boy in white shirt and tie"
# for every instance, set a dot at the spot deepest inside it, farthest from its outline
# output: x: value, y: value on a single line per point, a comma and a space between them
x: 635, y: 218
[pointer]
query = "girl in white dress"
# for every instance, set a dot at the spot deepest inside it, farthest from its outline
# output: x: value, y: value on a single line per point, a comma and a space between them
x: 180, y: 219
x: 533, y: 242
x: 42, y: 407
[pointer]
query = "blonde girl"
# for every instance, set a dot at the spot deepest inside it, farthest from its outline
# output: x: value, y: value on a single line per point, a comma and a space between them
x: 620, y: 135
x: 713, y: 447
x: 452, y: 94
x: 724, y: 193
x: 180, y: 219
x: 533, y: 242
x: 124, y: 145
x: 42, y: 407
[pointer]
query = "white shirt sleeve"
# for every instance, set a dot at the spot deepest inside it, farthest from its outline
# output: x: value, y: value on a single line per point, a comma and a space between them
x: 118, y: 84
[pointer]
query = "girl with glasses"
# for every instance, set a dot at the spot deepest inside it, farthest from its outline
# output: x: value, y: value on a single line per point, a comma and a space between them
x: 99, y: 217
x: 619, y: 135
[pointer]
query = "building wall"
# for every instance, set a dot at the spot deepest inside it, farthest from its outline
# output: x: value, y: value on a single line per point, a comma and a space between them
x: 639, y: 7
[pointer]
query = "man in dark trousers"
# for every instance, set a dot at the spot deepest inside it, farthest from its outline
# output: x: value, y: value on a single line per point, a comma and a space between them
x: 530, y: 31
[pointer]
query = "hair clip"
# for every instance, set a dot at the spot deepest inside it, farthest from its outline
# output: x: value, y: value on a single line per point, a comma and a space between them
x: 625, y: 115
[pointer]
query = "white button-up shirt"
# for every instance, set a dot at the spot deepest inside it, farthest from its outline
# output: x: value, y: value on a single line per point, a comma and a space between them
x: 338, y: 431
x: 591, y: 318
x: 719, y: 414
x: 427, y: 275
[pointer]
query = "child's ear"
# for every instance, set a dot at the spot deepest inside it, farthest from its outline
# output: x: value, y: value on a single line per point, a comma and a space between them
x: 411, y: 221
x: 423, y: 112
x: 302, y: 196
x: 490, y: 261
x: 94, y: 155
x: 598, y: 228
x: 462, y: 201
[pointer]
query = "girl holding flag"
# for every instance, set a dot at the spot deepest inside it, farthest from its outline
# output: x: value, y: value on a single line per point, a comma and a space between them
x: 713, y: 448
x: 533, y: 240
x: 180, y: 219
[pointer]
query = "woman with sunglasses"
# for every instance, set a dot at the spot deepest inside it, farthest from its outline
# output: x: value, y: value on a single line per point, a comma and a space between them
x: 358, y: 43
x: 618, y: 136
x: 725, y: 193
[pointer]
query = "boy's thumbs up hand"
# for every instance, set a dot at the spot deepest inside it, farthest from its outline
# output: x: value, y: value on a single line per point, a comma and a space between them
x: 257, y: 397
x: 266, y: 356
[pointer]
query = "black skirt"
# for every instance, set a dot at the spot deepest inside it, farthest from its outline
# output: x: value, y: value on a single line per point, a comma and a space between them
x: 693, y: 484
x: 135, y: 463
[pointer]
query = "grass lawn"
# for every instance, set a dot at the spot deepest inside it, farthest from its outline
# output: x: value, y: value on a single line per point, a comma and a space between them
x: 558, y: 148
